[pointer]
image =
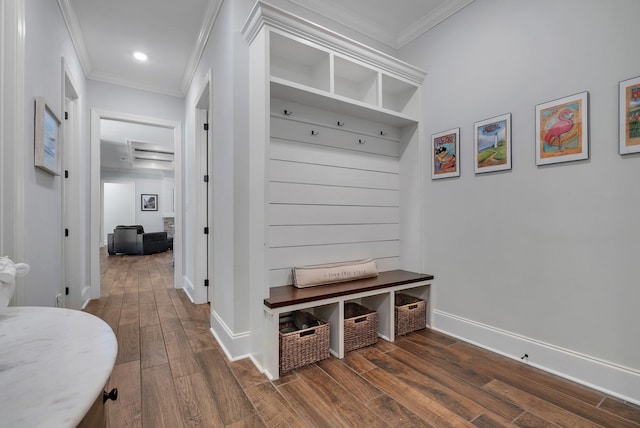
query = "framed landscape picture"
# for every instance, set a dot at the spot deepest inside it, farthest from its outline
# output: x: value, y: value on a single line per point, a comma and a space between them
x: 492, y: 138
x: 445, y: 147
x: 562, y: 129
x: 629, y: 114
x: 47, y: 147
x: 149, y: 202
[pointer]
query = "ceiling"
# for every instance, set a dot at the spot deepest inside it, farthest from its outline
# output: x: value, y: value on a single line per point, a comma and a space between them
x: 127, y: 147
x: 173, y: 33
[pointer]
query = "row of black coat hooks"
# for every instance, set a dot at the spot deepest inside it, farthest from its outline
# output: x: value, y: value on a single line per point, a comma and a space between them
x: 339, y: 123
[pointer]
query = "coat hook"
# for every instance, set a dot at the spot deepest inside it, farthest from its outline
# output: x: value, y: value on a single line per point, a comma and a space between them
x: 340, y: 123
x: 287, y: 112
x: 314, y: 132
x: 361, y: 141
x: 383, y: 133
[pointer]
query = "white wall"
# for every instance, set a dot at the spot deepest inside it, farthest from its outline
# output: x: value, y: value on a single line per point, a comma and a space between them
x: 121, y: 99
x: 226, y: 59
x: 119, y: 207
x: 47, y: 41
x: 142, y: 184
x: 543, y: 256
x: 12, y: 118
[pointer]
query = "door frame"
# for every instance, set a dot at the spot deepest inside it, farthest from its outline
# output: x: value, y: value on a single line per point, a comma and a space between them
x: 204, y: 193
x: 73, y: 258
x: 96, y: 203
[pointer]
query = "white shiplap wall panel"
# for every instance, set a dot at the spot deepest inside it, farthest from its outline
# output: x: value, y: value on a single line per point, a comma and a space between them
x: 289, y: 236
x: 310, y: 194
x: 286, y: 257
x: 330, y: 201
x: 303, y: 173
x: 279, y: 277
x: 321, y: 155
x: 291, y: 214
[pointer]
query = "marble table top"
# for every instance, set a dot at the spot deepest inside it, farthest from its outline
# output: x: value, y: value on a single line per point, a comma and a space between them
x: 53, y: 364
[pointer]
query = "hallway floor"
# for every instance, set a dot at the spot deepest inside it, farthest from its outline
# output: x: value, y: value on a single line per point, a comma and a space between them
x: 170, y: 372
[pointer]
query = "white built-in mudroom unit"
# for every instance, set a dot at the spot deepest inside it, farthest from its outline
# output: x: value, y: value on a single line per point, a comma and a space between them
x: 335, y: 168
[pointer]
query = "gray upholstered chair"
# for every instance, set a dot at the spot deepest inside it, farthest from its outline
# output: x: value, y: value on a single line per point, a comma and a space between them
x: 133, y: 240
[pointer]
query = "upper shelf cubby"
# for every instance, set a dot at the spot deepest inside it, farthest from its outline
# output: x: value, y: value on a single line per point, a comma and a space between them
x: 299, y: 63
x: 354, y: 81
x: 399, y: 96
x: 318, y: 73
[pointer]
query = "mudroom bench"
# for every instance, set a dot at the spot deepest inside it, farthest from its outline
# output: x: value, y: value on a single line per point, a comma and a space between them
x: 327, y: 303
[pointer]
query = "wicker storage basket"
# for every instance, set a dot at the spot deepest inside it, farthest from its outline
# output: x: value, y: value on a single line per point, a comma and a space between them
x: 301, y: 347
x: 410, y: 314
x: 360, y: 326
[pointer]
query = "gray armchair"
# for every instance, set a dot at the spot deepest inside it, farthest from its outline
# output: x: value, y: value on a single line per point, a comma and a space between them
x: 133, y: 240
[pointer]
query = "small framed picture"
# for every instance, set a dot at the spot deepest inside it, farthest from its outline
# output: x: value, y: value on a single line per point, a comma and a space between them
x: 47, y: 147
x: 445, y: 147
x: 148, y: 202
x: 492, y: 139
x: 629, y: 113
x: 562, y: 129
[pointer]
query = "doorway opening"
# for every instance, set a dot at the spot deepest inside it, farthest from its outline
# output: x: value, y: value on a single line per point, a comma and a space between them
x: 145, y: 152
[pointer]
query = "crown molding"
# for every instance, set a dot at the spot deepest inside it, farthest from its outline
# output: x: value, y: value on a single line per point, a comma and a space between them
x: 373, y: 30
x: 198, y: 49
x: 75, y: 32
x: 265, y: 14
x: 143, y: 86
x: 427, y: 22
x: 349, y: 20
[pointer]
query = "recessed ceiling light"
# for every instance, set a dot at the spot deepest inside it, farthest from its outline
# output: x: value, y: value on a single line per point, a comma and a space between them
x: 140, y: 56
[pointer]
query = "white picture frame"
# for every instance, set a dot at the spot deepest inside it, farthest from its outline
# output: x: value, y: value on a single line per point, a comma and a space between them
x: 492, y: 144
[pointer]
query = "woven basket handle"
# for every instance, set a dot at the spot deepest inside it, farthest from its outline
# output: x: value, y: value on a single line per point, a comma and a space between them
x: 412, y: 306
x: 357, y: 320
x: 307, y: 333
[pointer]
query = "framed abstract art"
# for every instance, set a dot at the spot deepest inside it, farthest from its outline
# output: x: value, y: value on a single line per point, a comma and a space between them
x: 149, y: 202
x: 562, y: 129
x: 629, y: 114
x: 445, y: 148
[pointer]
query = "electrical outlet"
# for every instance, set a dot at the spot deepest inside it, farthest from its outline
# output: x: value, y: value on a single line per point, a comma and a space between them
x: 59, y: 300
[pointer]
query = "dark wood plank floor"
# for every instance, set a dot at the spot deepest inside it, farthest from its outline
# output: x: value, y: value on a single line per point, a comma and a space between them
x: 170, y: 372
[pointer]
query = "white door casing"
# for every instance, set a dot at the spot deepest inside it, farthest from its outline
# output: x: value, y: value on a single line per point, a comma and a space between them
x: 96, y: 210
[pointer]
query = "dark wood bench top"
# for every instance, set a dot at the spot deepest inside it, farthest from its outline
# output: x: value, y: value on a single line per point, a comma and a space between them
x: 289, y: 295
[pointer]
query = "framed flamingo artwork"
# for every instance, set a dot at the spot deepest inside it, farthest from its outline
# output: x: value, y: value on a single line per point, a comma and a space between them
x: 445, y: 147
x: 562, y: 130
x: 492, y: 139
x: 630, y: 116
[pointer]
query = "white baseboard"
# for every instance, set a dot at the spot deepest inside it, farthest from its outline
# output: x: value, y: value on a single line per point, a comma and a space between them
x: 85, y: 296
x: 188, y: 288
x: 610, y: 378
x: 259, y: 366
x: 236, y: 346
